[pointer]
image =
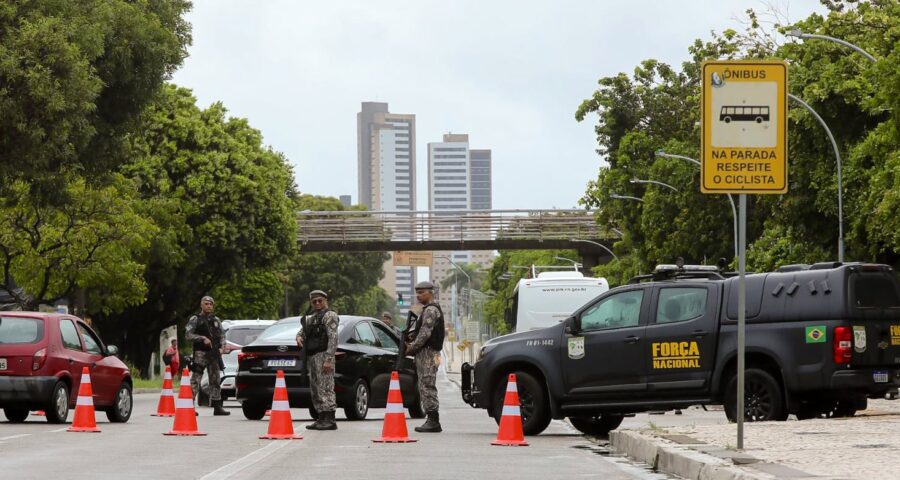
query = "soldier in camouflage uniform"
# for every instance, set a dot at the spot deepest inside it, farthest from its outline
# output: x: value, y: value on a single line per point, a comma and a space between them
x: 205, y: 333
x: 430, y: 323
x: 321, y: 364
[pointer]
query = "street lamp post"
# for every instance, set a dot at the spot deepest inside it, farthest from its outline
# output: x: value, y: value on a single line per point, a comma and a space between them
x: 799, y: 34
x: 578, y: 240
x: 734, y: 215
x: 468, y: 280
x: 840, y: 188
x: 625, y: 197
x: 653, y: 182
x: 574, y: 263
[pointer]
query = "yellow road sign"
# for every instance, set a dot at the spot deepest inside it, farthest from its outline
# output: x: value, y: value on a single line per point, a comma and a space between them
x: 412, y: 259
x: 744, y: 127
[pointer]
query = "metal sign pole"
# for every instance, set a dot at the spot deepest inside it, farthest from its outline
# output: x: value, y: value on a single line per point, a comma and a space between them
x: 742, y: 302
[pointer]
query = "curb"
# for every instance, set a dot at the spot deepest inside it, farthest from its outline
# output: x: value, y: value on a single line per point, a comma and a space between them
x: 677, y: 460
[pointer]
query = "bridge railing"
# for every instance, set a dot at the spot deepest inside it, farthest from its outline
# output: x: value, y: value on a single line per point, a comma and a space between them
x: 463, y: 225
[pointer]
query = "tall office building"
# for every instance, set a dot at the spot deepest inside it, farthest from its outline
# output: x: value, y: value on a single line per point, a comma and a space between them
x: 386, y: 150
x: 459, y: 179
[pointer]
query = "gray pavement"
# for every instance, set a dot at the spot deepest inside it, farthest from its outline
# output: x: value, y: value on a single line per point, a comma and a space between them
x: 231, y: 450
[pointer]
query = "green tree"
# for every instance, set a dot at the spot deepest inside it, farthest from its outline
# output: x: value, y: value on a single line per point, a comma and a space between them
x: 473, y: 273
x: 93, y: 239
x: 75, y: 77
x: 251, y: 294
x: 350, y: 279
x: 224, y: 204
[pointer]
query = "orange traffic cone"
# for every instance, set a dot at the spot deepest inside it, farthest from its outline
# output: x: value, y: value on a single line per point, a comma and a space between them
x: 84, y: 408
x: 40, y: 413
x: 166, y: 405
x: 185, y: 419
x: 394, y: 429
x: 510, y: 432
x: 281, y: 427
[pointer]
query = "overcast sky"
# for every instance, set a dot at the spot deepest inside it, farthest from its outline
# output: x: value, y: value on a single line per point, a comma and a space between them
x: 508, y: 73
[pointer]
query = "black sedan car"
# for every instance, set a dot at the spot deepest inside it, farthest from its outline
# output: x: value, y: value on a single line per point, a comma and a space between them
x: 366, y: 354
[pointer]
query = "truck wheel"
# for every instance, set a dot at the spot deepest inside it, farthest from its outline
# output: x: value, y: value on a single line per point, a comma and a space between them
x: 533, y: 403
x: 763, y: 398
x: 597, y: 426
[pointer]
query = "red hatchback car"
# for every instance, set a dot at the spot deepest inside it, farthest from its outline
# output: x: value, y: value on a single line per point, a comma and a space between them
x: 41, y: 359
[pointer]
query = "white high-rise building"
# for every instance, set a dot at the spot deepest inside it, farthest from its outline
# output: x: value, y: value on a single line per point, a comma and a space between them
x: 452, y: 167
x: 387, y: 177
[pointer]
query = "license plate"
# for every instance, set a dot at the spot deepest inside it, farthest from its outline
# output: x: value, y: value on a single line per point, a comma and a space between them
x: 2, y: 364
x: 287, y: 362
x: 880, y: 377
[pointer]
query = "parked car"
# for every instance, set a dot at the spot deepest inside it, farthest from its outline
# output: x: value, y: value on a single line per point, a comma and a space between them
x: 237, y: 334
x: 41, y: 359
x: 366, y: 354
x: 820, y: 340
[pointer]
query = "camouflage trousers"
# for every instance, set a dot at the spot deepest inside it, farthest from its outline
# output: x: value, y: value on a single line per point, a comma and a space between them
x: 209, y: 362
x: 426, y: 369
x: 321, y: 384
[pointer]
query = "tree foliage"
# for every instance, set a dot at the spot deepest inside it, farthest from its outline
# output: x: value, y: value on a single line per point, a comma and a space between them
x: 350, y: 279
x: 74, y: 78
x: 657, y: 108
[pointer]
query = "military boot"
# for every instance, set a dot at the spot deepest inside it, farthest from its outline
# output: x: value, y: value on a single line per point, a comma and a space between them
x: 324, y: 421
x: 218, y: 409
x: 432, y: 425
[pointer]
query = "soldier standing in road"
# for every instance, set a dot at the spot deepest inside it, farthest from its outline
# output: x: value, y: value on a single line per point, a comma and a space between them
x: 425, y: 341
x: 204, y: 331
x: 319, y: 337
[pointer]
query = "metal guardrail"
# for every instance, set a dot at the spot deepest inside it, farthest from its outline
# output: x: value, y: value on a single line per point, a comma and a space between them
x: 442, y: 225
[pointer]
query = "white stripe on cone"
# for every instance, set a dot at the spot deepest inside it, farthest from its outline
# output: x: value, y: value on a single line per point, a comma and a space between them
x: 511, y: 387
x: 280, y: 405
x: 85, y: 379
x: 395, y: 408
x: 279, y: 382
x: 167, y: 392
x: 184, y: 403
x: 84, y: 401
x: 168, y: 376
x: 511, y: 411
x: 395, y: 385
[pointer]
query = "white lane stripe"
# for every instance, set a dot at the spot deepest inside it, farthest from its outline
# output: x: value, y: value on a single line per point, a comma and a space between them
x: 15, y: 436
x: 280, y: 405
x: 511, y: 410
x: 246, y: 461
x: 59, y: 430
x: 184, y: 403
x: 395, y: 385
x: 394, y: 408
x: 279, y: 382
x: 84, y: 401
x: 511, y: 387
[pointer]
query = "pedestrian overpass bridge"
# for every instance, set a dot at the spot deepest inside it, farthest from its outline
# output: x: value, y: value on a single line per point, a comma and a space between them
x: 361, y: 231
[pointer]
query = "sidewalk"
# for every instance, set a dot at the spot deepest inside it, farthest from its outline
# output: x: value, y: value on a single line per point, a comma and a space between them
x: 862, y: 447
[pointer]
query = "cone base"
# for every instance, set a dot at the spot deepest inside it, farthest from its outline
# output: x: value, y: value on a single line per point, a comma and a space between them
x: 510, y: 443
x: 395, y: 440
x: 162, y: 414
x: 282, y: 437
x: 185, y: 433
x: 83, y: 429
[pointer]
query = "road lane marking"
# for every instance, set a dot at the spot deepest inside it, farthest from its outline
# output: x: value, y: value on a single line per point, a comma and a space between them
x: 59, y: 430
x: 248, y: 460
x: 14, y: 436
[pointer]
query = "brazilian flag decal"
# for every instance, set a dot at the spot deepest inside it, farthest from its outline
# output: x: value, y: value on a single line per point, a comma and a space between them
x: 815, y: 334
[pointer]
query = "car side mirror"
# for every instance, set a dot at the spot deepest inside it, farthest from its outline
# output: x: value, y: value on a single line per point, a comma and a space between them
x: 112, y: 350
x: 573, y: 325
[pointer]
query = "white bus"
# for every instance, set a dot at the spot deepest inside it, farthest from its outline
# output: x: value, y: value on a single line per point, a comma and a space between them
x: 550, y: 298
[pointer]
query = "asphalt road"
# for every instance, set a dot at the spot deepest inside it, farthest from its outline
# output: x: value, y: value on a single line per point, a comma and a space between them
x: 231, y: 450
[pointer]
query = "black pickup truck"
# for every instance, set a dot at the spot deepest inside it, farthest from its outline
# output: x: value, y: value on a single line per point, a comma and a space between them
x: 820, y: 340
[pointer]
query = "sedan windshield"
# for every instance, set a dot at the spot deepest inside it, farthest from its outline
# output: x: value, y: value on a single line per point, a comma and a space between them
x: 286, y: 330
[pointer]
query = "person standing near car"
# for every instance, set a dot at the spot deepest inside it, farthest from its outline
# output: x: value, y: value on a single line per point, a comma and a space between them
x: 318, y: 336
x: 205, y: 333
x: 174, y: 359
x: 388, y: 320
x: 425, y: 340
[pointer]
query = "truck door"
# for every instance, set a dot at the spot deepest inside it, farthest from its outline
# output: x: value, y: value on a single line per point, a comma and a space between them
x: 681, y: 338
x: 604, y: 357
